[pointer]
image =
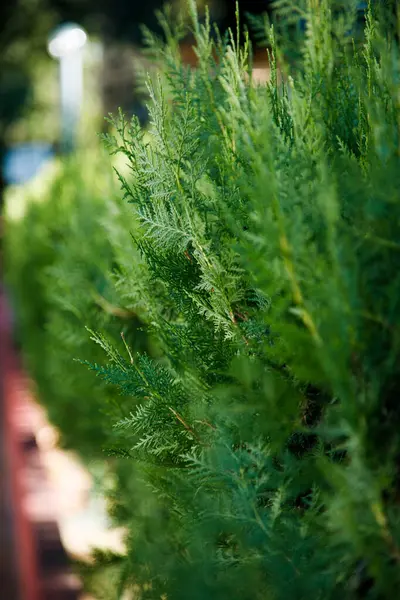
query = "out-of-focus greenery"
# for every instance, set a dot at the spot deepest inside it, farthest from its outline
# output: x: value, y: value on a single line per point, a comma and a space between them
x: 24, y: 27
x: 59, y: 263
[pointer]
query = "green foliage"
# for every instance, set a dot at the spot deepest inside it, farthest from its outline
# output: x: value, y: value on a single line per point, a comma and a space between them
x: 261, y: 426
x: 59, y: 265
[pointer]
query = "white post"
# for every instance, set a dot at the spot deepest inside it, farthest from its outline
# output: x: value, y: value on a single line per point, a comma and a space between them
x: 71, y: 88
x: 66, y: 44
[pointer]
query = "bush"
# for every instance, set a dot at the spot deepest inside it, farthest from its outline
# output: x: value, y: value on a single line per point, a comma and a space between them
x: 264, y: 417
x: 59, y: 265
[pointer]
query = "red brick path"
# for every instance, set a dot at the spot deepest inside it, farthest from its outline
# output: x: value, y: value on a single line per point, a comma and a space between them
x: 33, y: 562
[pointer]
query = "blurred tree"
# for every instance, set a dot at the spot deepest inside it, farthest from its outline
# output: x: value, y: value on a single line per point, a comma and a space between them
x: 24, y: 26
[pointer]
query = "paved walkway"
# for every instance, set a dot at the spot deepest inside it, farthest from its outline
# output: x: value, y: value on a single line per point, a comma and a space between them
x: 34, y: 563
x: 48, y: 502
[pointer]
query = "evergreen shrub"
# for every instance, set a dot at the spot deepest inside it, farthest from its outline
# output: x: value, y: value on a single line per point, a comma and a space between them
x: 261, y: 254
x: 60, y: 284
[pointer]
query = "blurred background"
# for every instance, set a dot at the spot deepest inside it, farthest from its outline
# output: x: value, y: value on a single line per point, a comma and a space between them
x: 30, y: 123
x: 64, y: 65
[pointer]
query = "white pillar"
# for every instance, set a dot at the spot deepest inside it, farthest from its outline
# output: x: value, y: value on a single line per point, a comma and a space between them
x: 66, y: 44
x: 71, y: 95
